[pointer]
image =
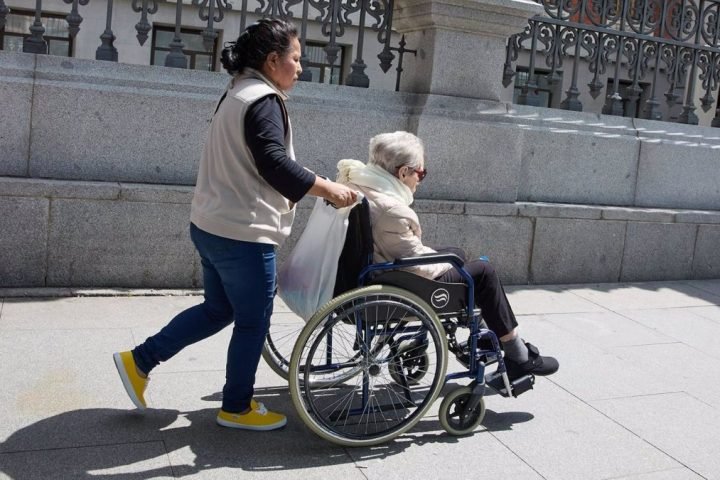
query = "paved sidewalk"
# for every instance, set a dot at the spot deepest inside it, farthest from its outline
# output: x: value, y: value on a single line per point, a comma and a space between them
x: 637, y: 397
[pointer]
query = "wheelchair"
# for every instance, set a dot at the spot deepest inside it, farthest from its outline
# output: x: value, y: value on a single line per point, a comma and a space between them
x: 369, y: 364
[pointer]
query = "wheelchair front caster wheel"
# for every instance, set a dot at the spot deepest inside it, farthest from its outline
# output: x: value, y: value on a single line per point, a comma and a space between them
x: 455, y: 417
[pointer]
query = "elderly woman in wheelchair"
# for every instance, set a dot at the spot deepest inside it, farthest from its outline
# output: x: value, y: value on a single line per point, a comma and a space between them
x: 369, y: 364
x: 388, y: 181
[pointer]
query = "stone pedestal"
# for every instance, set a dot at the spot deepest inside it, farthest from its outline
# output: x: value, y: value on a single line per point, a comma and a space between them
x: 460, y: 44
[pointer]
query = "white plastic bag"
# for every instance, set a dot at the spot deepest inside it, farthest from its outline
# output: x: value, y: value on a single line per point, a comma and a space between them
x: 306, y: 279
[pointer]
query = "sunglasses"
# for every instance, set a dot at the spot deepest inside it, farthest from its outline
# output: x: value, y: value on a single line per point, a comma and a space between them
x: 420, y: 173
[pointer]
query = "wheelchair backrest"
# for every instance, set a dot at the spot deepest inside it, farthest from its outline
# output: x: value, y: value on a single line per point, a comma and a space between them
x: 357, y: 252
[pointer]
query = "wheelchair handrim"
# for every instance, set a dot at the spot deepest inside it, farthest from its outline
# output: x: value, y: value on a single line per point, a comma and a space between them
x: 304, y: 405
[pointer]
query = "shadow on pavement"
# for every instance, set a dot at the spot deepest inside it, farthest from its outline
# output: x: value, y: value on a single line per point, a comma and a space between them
x: 121, y: 444
x: 106, y: 443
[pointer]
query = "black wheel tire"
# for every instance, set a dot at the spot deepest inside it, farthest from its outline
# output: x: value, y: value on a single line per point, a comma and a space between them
x: 453, y: 417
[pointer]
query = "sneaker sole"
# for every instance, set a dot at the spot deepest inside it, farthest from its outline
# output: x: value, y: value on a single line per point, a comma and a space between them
x: 126, y: 381
x: 258, y: 428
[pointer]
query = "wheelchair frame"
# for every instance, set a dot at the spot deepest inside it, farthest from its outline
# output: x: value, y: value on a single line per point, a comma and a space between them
x: 312, y: 384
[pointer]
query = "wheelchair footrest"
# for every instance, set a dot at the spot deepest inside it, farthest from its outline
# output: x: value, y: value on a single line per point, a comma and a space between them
x: 522, y: 385
x: 517, y: 386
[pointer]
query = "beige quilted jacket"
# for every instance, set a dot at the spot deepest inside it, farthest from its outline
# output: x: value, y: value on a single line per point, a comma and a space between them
x: 397, y: 233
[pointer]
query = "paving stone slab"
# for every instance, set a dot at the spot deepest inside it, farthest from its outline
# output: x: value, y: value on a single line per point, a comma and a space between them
x: 577, y: 440
x: 676, y: 423
x: 197, y: 445
x: 429, y: 452
x: 710, y: 286
x: 68, y: 394
x: 280, y: 306
x: 81, y: 313
x: 608, y: 329
x: 684, y: 326
x: 672, y: 474
x: 206, y: 450
x: 711, y: 313
x: 675, y: 363
x: 547, y: 299
x: 588, y: 371
x: 611, y: 358
x: 425, y: 444
x: 649, y: 295
x: 139, y: 461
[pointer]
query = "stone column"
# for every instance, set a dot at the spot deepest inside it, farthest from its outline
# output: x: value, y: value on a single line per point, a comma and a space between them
x: 460, y: 44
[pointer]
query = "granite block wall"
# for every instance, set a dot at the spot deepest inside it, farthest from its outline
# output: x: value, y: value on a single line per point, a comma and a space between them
x: 97, y: 163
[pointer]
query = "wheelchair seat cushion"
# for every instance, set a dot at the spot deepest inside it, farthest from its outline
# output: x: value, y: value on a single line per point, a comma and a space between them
x: 443, y: 297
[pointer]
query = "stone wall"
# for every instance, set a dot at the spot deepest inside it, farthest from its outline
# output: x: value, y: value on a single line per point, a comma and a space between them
x: 62, y: 233
x: 97, y: 161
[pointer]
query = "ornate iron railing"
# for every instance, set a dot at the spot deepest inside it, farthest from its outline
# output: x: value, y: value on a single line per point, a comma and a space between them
x: 334, y: 17
x: 677, y: 41
x: 4, y: 10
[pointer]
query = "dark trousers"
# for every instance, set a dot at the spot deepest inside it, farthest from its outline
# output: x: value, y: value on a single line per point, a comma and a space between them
x: 489, y: 293
x: 239, y: 281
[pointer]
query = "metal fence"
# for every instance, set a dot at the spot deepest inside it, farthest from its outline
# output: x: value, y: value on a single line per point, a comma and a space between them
x: 372, y: 17
x: 676, y: 41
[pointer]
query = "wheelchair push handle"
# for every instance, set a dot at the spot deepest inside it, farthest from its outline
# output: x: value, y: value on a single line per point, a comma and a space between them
x: 359, y: 199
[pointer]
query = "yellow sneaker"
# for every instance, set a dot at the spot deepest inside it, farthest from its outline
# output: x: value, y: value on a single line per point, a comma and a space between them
x: 134, y: 384
x: 258, y: 418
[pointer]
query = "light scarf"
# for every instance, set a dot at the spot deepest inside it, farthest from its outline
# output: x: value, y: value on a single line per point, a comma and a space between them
x: 375, y: 178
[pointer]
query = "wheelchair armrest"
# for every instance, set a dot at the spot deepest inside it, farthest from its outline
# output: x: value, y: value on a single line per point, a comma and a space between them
x: 430, y: 258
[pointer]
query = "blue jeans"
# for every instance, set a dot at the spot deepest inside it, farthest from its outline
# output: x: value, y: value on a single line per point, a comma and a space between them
x: 239, y: 281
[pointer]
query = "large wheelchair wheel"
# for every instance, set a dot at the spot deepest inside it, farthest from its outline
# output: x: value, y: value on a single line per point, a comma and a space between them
x: 354, y: 344
x: 279, y: 342
x: 278, y: 346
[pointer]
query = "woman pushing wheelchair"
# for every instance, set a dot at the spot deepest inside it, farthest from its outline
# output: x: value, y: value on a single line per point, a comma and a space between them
x: 395, y: 167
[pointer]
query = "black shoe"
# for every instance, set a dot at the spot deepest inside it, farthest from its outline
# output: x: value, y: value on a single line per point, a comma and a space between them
x: 536, y: 365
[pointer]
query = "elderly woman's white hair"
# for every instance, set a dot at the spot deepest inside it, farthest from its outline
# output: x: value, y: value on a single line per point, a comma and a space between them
x: 390, y: 151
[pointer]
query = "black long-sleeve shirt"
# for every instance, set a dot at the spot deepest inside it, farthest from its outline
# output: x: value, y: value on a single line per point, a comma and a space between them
x: 265, y: 129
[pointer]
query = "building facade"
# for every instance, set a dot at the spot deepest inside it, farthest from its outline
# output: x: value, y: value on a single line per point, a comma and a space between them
x: 327, y: 60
